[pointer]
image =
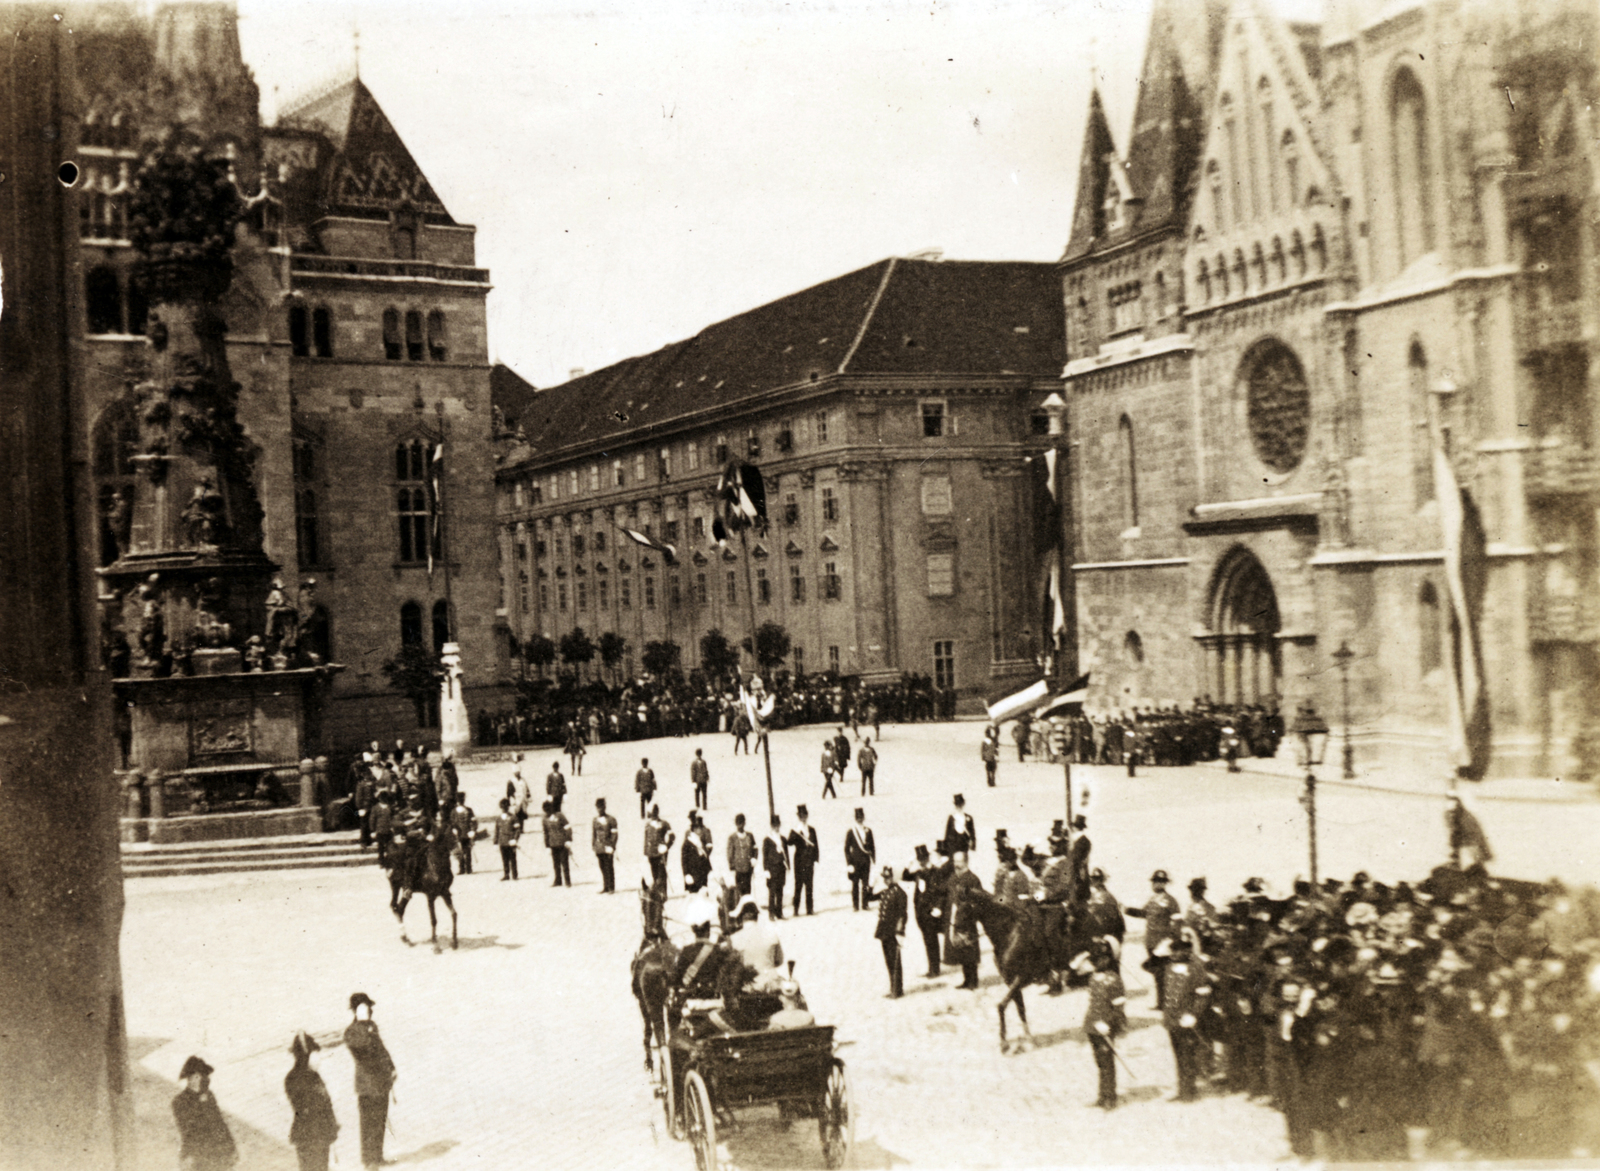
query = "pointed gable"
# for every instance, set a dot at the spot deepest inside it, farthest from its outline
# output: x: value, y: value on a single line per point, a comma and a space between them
x: 371, y: 172
x: 1094, y: 166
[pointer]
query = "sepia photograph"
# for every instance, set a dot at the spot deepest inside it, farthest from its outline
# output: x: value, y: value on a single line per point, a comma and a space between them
x: 734, y: 585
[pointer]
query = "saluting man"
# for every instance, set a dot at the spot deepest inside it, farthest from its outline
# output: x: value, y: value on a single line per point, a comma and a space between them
x: 1160, y: 915
x: 891, y: 929
x: 375, y: 1077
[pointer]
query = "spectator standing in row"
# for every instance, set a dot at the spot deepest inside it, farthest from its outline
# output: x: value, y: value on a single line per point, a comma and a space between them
x: 830, y: 762
x: 860, y: 855
x: 204, y: 1141
x: 557, y: 836
x: 314, y: 1128
x: 741, y: 855
x: 375, y: 1077
x: 928, y: 901
x: 867, y: 762
x: 700, y: 774
x: 644, y: 784
x: 804, y: 851
x: 603, y: 835
x: 891, y: 930
x: 775, y: 860
x: 465, y: 824
x: 990, y: 753
x: 506, y: 832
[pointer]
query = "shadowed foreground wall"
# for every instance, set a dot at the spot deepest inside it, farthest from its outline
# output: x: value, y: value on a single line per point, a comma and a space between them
x: 63, y: 1060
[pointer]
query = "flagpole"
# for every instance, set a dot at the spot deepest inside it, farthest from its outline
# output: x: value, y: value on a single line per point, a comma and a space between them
x: 1065, y: 659
x: 444, y: 548
x: 750, y: 607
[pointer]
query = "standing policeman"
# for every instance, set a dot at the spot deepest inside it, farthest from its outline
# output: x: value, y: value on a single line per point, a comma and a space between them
x: 1160, y: 915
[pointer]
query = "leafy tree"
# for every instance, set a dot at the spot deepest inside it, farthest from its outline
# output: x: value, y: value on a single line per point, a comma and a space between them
x: 417, y: 673
x: 772, y: 644
x: 539, y: 651
x: 718, y: 657
x: 577, y: 648
x: 612, y: 647
x: 660, y: 657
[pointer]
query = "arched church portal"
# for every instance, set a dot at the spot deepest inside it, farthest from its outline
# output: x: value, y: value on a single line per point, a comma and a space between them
x: 1243, y: 661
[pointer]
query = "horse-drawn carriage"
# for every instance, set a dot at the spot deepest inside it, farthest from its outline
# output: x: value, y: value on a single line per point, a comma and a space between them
x: 705, y: 1072
x: 744, y: 1049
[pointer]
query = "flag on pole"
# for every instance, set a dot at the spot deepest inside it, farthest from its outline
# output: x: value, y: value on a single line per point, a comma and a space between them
x: 741, y: 498
x: 1076, y: 693
x: 1017, y: 702
x: 1466, y: 571
x: 670, y: 552
x: 436, y: 472
x: 1046, y: 502
x: 758, y: 706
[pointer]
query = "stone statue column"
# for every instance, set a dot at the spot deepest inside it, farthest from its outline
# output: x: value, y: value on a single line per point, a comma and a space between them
x: 455, y: 727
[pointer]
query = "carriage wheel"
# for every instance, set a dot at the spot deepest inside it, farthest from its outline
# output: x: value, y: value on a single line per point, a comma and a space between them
x: 701, y: 1122
x: 666, y: 1090
x: 836, y: 1118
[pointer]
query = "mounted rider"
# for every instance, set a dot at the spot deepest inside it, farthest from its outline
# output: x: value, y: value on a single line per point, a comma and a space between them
x: 413, y: 827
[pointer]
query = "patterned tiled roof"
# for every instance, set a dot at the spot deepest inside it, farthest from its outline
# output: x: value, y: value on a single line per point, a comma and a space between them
x: 908, y: 317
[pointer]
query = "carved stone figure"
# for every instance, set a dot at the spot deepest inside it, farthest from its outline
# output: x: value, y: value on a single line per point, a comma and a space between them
x: 152, y: 623
x: 203, y: 515
x: 283, y: 623
x: 255, y: 654
x: 209, y: 628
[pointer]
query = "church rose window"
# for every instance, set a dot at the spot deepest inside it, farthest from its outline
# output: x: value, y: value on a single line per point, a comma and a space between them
x: 1279, y: 404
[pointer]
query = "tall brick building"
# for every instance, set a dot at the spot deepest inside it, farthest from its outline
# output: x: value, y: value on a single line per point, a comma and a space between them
x: 889, y: 410
x: 1324, y: 250
x: 356, y: 328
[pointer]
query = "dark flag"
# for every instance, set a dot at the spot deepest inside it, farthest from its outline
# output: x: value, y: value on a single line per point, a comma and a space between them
x: 741, y: 498
x: 1046, y: 506
x: 670, y: 552
x: 1466, y: 572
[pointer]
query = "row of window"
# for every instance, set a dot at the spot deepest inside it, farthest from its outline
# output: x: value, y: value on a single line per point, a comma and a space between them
x: 112, y: 307
x: 408, y: 336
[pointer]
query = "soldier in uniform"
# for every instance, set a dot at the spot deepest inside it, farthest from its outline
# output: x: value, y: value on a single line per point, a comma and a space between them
x: 644, y: 784
x: 1104, y: 913
x: 1189, y: 989
x: 1105, y: 1020
x: 891, y: 929
x: 603, y: 834
x: 990, y: 752
x: 1160, y: 915
x: 658, y: 840
x: 1201, y: 917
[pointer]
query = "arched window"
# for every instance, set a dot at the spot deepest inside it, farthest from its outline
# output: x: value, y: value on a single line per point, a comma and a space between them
x: 392, y: 348
x: 1290, y: 153
x: 413, y: 335
x: 1203, y: 279
x: 411, y: 624
x: 1130, y: 473
x: 1240, y: 273
x: 322, y: 331
x: 1430, y: 652
x: 1297, y: 252
x: 1258, y: 261
x: 1214, y: 181
x: 299, y: 335
x: 1408, y: 143
x: 1280, y: 262
x: 437, y: 350
x: 1221, y: 274
x: 441, y: 626
x: 1264, y: 101
x: 1319, y: 248
x: 412, y: 503
x: 103, y: 300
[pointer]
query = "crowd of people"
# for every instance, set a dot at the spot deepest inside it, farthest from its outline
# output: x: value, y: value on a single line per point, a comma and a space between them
x: 1164, y: 736
x: 679, y: 706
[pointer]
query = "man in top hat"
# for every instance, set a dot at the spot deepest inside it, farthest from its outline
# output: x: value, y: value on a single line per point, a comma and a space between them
x: 860, y: 854
x: 1160, y: 914
x: 1079, y: 856
x: 1058, y: 837
x: 775, y: 860
x: 205, y: 1143
x: 960, y: 831
x: 375, y: 1076
x: 928, y: 900
x: 804, y: 851
x: 891, y: 929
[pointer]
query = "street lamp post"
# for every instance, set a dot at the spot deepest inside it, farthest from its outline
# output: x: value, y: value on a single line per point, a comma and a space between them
x: 1341, y: 658
x: 1311, y: 741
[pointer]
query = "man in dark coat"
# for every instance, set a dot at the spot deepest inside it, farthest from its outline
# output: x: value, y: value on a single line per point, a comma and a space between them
x: 658, y: 840
x: 315, y: 1127
x: 1104, y: 914
x: 644, y: 784
x: 366, y: 790
x: 960, y: 831
x: 961, y: 947
x: 891, y: 929
x: 928, y: 902
x: 1188, y: 998
x: 1078, y: 854
x: 1106, y: 1020
x: 465, y: 824
x: 867, y: 761
x: 860, y: 854
x: 205, y: 1143
x: 700, y: 775
x: 449, y: 780
x: 741, y: 854
x: 604, y: 839
x: 775, y: 860
x: 1161, y: 917
x: 375, y: 1076
x: 804, y: 850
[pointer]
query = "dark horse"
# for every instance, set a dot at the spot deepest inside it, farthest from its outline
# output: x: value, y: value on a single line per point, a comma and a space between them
x: 651, y: 972
x: 431, y: 876
x: 1023, y: 951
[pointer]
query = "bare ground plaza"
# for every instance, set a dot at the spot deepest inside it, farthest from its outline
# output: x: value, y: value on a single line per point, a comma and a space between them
x: 523, y: 1047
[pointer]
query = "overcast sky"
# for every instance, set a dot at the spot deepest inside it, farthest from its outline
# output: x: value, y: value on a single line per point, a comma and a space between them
x: 639, y: 171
